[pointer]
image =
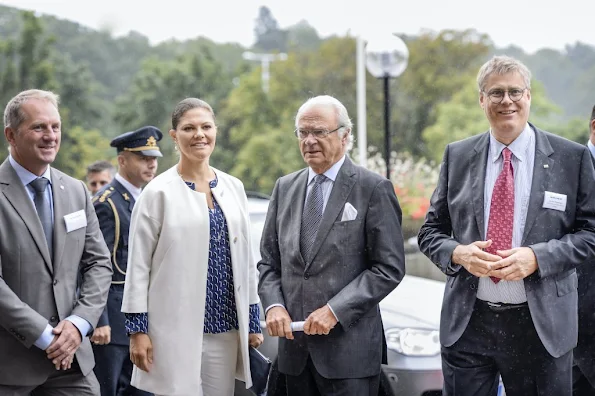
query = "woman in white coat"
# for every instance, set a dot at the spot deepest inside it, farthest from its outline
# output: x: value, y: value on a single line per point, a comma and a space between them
x: 190, y: 294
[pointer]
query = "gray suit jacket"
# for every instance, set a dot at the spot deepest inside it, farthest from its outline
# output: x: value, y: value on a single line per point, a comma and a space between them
x: 35, y: 290
x: 561, y: 240
x: 354, y: 265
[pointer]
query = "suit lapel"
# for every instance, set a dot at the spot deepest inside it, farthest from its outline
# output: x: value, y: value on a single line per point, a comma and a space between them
x: 61, y: 198
x: 543, y: 151
x: 477, y: 170
x: 18, y: 197
x: 296, y: 209
x: 124, y: 193
x: 339, y: 193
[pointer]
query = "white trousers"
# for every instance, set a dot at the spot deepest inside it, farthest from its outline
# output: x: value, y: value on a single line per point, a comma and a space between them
x: 218, y: 366
x: 219, y: 359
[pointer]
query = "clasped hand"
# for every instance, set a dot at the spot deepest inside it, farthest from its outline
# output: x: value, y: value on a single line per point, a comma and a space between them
x: 511, y: 265
x: 66, y: 342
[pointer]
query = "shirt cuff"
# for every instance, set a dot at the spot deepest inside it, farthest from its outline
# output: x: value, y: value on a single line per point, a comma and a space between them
x: 137, y: 322
x: 45, y: 339
x: 81, y: 324
x: 255, y: 319
x: 272, y: 306
x: 334, y: 314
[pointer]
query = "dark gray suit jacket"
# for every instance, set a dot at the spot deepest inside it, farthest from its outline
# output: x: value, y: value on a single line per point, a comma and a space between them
x: 36, y: 290
x: 354, y: 265
x: 561, y: 240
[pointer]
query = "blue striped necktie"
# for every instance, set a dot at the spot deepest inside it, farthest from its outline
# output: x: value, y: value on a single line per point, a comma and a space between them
x: 311, y: 217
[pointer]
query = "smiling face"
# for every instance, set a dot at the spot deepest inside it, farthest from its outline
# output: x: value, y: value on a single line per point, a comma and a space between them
x: 195, y: 134
x: 507, y: 119
x: 36, y: 141
x: 321, y: 153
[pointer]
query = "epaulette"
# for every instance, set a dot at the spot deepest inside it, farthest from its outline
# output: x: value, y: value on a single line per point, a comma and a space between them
x: 106, y: 194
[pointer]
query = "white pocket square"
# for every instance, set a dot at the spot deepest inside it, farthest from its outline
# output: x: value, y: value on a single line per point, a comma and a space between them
x: 349, y: 212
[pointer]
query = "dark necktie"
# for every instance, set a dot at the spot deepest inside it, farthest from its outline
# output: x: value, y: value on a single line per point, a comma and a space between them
x: 502, y: 209
x: 43, y: 209
x: 312, y: 216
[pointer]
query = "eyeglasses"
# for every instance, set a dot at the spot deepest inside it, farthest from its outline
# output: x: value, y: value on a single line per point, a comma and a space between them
x: 302, y: 134
x: 497, y: 95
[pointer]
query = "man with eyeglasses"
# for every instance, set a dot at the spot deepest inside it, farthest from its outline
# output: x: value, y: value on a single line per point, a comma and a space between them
x: 332, y: 249
x: 512, y: 216
x: 583, y: 372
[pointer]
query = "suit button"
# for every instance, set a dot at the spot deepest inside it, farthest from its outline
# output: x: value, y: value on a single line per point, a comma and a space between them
x: 22, y: 338
x: 53, y: 319
x: 55, y: 282
x: 472, y: 286
x: 306, y: 276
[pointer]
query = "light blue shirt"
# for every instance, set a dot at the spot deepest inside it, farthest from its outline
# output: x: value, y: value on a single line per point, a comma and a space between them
x: 591, y: 148
x: 523, y: 158
x: 26, y: 177
x: 327, y: 184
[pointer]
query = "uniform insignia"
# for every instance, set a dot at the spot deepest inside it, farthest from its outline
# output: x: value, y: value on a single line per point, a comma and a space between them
x: 152, y: 142
x: 106, y: 194
x: 126, y: 197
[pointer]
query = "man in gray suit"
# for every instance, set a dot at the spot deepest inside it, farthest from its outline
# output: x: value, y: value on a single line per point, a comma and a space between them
x: 583, y: 371
x: 49, y: 231
x: 332, y: 248
x: 512, y: 216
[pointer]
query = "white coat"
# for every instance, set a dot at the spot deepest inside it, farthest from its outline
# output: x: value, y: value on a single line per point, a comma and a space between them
x: 167, y: 274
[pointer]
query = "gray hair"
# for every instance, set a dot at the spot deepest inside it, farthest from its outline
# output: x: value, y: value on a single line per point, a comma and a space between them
x: 502, y: 64
x: 342, y: 116
x: 13, y: 114
x: 101, y: 166
x: 188, y: 104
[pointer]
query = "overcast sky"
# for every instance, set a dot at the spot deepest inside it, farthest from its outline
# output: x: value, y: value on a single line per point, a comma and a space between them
x: 530, y: 24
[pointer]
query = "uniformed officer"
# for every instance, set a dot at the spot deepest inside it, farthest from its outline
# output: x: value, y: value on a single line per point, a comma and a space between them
x: 137, y: 165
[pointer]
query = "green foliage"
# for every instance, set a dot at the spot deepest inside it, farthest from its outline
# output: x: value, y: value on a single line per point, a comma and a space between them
x: 78, y: 149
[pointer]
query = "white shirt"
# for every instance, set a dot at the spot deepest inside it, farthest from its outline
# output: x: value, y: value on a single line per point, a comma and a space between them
x: 132, y: 189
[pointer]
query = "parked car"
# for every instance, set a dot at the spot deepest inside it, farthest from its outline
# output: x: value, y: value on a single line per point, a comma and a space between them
x: 411, y: 317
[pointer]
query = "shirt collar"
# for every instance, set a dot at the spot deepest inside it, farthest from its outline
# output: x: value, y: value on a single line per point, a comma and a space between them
x: 331, y: 173
x: 24, y: 175
x: 591, y: 148
x: 132, y: 189
x: 519, y: 146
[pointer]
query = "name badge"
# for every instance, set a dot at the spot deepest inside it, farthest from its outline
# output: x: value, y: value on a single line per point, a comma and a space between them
x: 75, y: 220
x: 554, y: 201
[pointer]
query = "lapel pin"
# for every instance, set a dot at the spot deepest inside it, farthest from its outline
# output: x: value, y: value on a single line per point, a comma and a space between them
x: 545, y: 166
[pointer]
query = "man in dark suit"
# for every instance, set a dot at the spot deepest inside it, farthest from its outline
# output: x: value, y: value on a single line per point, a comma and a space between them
x: 137, y: 165
x: 49, y: 232
x: 99, y: 173
x: 583, y: 371
x: 332, y: 249
x: 512, y: 216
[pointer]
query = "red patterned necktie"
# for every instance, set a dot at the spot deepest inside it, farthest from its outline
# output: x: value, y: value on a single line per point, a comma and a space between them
x: 502, y: 209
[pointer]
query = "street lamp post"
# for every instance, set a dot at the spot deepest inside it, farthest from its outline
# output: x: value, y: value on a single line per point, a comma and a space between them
x: 387, y: 58
x: 265, y: 60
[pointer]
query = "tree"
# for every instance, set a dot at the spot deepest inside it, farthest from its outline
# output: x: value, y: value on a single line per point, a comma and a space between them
x: 160, y: 85
x: 269, y: 37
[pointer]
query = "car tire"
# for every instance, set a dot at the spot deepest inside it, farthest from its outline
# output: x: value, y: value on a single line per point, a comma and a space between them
x: 384, y: 389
